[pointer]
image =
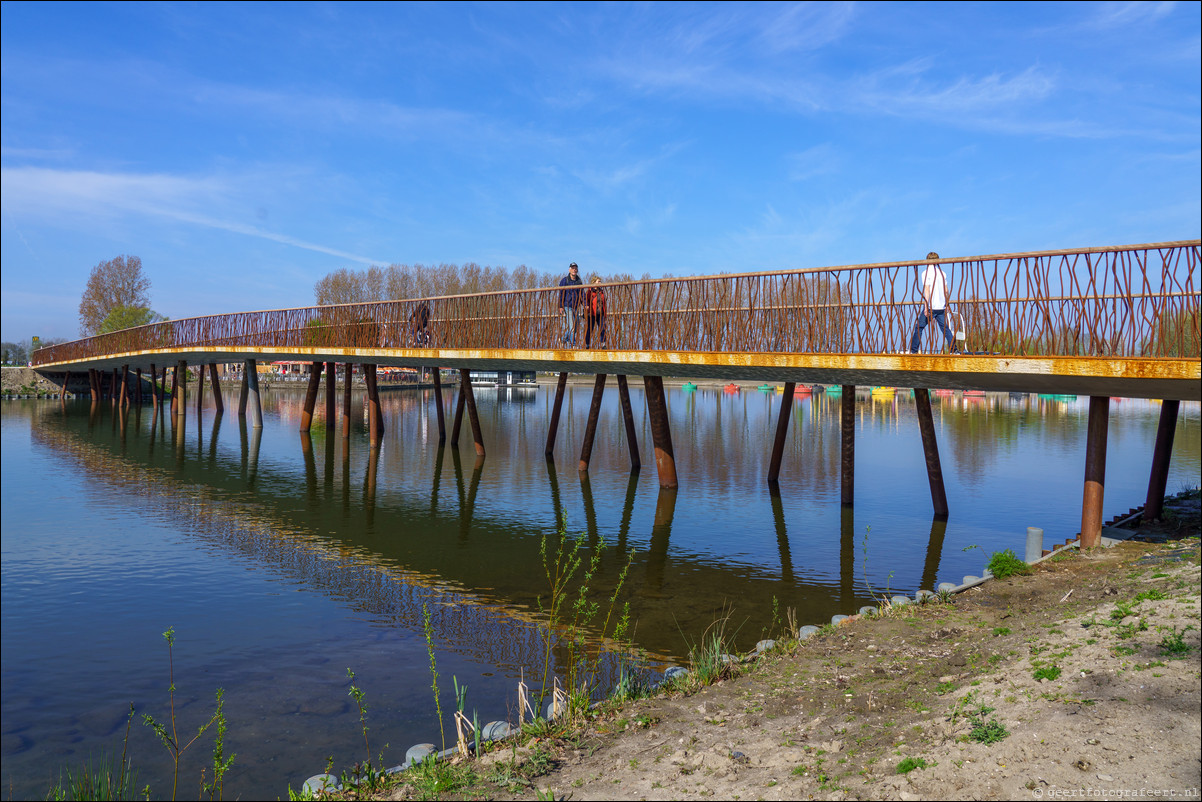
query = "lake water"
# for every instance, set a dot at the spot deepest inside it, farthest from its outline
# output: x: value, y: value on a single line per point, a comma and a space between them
x: 281, y: 562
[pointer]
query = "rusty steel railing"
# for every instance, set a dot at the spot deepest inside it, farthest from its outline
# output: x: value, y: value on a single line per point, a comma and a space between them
x: 1137, y: 301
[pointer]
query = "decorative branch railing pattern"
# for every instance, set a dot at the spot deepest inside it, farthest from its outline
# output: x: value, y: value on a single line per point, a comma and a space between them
x: 1139, y: 300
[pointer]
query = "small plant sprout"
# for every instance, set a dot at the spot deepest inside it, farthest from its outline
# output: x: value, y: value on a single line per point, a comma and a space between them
x: 357, y: 694
x: 168, y: 732
x: 428, y: 629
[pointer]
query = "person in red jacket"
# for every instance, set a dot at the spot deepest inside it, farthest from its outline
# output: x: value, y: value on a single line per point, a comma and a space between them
x: 594, y: 313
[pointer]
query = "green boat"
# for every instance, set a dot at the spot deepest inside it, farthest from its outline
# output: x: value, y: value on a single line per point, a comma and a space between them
x: 688, y: 387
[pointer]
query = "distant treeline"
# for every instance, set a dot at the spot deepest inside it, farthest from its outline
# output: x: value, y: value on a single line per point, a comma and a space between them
x: 423, y: 281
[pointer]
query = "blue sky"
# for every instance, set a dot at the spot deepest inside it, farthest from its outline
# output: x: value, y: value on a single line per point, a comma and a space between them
x: 243, y: 151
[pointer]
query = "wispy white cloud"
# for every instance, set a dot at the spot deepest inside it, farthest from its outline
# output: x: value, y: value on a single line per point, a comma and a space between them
x: 364, y: 115
x: 807, y: 26
x: 60, y: 195
x: 1124, y: 14
x: 904, y: 89
x: 819, y: 160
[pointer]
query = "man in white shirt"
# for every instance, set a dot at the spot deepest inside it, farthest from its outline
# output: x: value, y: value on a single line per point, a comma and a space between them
x: 934, y: 304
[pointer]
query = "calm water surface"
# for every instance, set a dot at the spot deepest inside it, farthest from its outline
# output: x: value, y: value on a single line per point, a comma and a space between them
x: 281, y: 561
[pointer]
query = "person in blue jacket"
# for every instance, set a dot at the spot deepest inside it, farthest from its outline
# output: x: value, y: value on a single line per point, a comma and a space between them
x: 569, y: 302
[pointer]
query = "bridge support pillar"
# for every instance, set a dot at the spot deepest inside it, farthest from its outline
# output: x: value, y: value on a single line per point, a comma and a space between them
x: 114, y: 384
x: 782, y: 429
x: 93, y: 385
x: 331, y: 389
x: 375, y: 418
x: 457, y: 424
x: 930, y: 449
x: 250, y: 375
x: 346, y: 400
x: 847, y: 436
x: 470, y: 397
x: 628, y: 418
x: 306, y: 421
x: 137, y: 388
x: 216, y: 385
x: 661, y: 432
x: 1095, y: 471
x: 549, y: 451
x: 125, y: 385
x: 590, y: 430
x: 442, y: 423
x: 1160, y: 459
x: 244, y: 388
x: 179, y: 389
x: 200, y: 388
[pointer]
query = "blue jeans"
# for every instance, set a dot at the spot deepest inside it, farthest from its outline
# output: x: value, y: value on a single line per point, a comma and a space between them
x: 571, y: 315
x: 916, y: 338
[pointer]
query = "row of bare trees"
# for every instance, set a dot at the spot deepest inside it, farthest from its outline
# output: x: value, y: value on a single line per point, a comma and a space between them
x: 426, y: 281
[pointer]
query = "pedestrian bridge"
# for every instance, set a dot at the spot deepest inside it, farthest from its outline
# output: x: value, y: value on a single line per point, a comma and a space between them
x: 1117, y: 321
x: 1104, y: 322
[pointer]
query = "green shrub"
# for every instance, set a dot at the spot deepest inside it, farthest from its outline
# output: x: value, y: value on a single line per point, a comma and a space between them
x: 1005, y: 563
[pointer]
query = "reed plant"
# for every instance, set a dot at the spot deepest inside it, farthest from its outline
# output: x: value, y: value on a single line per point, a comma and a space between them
x: 572, y: 613
x: 102, y: 780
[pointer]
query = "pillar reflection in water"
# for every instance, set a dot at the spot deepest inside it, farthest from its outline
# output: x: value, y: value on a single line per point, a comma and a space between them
x: 306, y: 443
x: 661, y: 532
x: 590, y: 511
x: 556, y: 501
x: 369, y: 485
x: 632, y: 484
x: 782, y: 536
x: 847, y: 558
x: 252, y: 456
x: 930, y: 568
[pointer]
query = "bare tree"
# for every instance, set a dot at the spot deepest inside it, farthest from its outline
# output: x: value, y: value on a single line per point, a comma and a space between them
x: 116, y: 283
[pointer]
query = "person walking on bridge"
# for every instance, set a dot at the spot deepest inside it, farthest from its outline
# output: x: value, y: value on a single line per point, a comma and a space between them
x: 594, y: 314
x: 934, y: 304
x: 569, y: 303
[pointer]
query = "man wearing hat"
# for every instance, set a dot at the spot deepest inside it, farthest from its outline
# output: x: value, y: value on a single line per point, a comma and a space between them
x: 569, y: 302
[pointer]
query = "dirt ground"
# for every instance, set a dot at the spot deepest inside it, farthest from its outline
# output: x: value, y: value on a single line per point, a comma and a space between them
x: 1081, y: 679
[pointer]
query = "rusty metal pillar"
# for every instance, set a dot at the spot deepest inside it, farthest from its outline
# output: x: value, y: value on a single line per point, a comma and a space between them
x: 306, y: 421
x: 375, y: 377
x: 847, y: 434
x: 782, y: 429
x: 114, y: 385
x: 200, y: 388
x: 636, y: 462
x: 661, y: 432
x: 457, y: 424
x: 442, y: 423
x: 180, y: 389
x: 1095, y: 471
x: 373, y: 405
x: 470, y: 398
x: 216, y: 385
x: 93, y: 385
x: 590, y: 429
x: 251, y: 372
x: 244, y: 390
x: 1161, y: 455
x: 137, y: 389
x: 346, y: 400
x: 553, y: 427
x: 331, y: 388
x: 930, y: 449
x: 124, y: 385
x: 155, y: 398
